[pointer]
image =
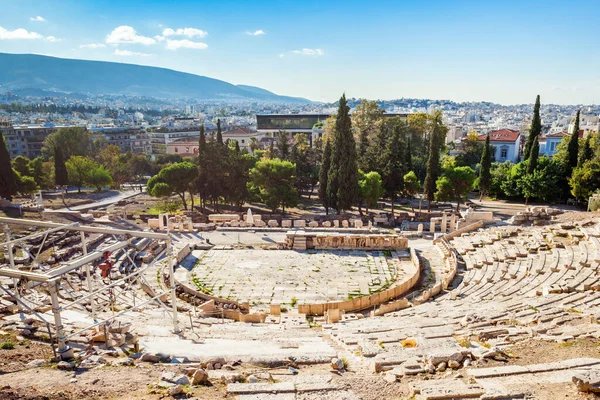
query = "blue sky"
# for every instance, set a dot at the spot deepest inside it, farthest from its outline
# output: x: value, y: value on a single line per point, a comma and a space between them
x: 500, y: 51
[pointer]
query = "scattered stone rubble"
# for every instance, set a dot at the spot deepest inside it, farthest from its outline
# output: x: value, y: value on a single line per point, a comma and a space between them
x: 534, y: 215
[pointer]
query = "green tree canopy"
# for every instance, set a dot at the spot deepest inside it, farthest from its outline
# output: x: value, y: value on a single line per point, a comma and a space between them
x: 343, y: 173
x: 72, y: 141
x: 534, y: 130
x: 370, y: 188
x: 455, y: 184
x: 79, y: 169
x: 8, y: 184
x: 99, y: 177
x: 485, y: 177
x: 179, y: 178
x: 323, y: 173
x: 273, y: 180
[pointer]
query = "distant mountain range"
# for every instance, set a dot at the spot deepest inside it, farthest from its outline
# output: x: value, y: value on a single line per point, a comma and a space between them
x: 30, y: 73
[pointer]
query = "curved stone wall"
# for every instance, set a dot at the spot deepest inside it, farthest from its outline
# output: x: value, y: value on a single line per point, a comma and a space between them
x: 375, y: 299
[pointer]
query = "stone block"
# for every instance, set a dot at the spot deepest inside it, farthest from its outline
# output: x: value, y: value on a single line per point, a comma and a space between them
x: 326, y: 224
x: 286, y: 223
x: 299, y: 223
x: 313, y: 224
x: 273, y: 223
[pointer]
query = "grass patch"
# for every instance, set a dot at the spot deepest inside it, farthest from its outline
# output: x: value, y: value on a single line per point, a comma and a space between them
x: 567, y: 344
x: 573, y: 311
x: 346, y: 364
x: 294, y: 302
x: 380, y: 343
x: 7, y: 346
x: 463, y: 342
x: 169, y: 206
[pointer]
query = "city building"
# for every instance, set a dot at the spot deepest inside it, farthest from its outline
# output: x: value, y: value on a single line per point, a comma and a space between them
x: 188, y: 146
x: 25, y: 140
x: 184, y: 147
x: 549, y: 143
x: 505, y: 144
x: 242, y: 136
x: 310, y: 124
x: 127, y: 139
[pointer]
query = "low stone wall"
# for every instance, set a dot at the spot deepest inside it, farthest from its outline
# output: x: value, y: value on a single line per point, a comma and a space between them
x: 448, y: 276
x: 367, y: 301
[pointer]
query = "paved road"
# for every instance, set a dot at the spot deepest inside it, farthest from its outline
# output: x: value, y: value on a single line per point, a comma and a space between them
x: 104, y: 202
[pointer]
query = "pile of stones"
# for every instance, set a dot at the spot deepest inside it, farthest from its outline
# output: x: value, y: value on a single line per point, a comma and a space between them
x: 534, y: 215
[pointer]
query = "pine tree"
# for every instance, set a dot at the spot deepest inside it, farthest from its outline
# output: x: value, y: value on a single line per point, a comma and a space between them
x: 61, y: 178
x: 219, y: 134
x: 586, y: 152
x: 533, y: 156
x: 342, y: 183
x: 485, y: 176
x: 433, y: 161
x: 283, y: 145
x: 535, y: 130
x: 573, y: 148
x: 8, y: 184
x: 323, y: 173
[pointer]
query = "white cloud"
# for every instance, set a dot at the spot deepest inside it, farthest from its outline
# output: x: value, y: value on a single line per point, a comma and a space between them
x: 37, y: 19
x: 185, y: 44
x: 159, y: 38
x: 126, y: 34
x: 53, y: 39
x: 281, y: 55
x: 309, y: 52
x: 92, y: 46
x: 256, y: 33
x: 189, y: 32
x: 19, y: 33
x: 128, y: 53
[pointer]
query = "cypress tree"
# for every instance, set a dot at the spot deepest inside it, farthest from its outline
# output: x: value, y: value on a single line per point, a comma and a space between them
x: 586, y: 152
x: 8, y: 184
x: 202, y: 167
x: 533, y: 156
x: 408, y: 156
x: 323, y: 173
x: 535, y: 130
x: 433, y: 161
x: 393, y: 173
x: 61, y: 178
x: 573, y: 148
x: 219, y: 134
x: 363, y: 146
x: 485, y: 176
x: 342, y: 180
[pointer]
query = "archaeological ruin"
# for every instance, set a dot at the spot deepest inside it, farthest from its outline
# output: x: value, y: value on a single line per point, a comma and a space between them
x: 438, y: 307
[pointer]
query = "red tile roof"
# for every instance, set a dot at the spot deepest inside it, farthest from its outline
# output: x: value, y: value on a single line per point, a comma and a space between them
x: 558, y: 134
x: 240, y: 131
x: 503, y: 135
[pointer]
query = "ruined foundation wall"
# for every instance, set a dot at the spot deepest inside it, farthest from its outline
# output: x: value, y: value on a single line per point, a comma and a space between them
x: 375, y: 299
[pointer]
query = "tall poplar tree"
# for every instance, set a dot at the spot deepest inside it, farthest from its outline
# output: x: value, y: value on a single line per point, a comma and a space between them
x: 342, y: 182
x: 485, y: 177
x: 61, y: 178
x: 586, y: 153
x: 393, y: 171
x: 323, y: 174
x: 573, y: 148
x: 219, y: 133
x: 535, y: 130
x: 8, y: 184
x: 533, y: 156
x: 433, y: 161
x: 203, y: 168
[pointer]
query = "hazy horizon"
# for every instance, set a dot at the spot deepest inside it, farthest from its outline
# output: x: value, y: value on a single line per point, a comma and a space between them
x: 462, y: 51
